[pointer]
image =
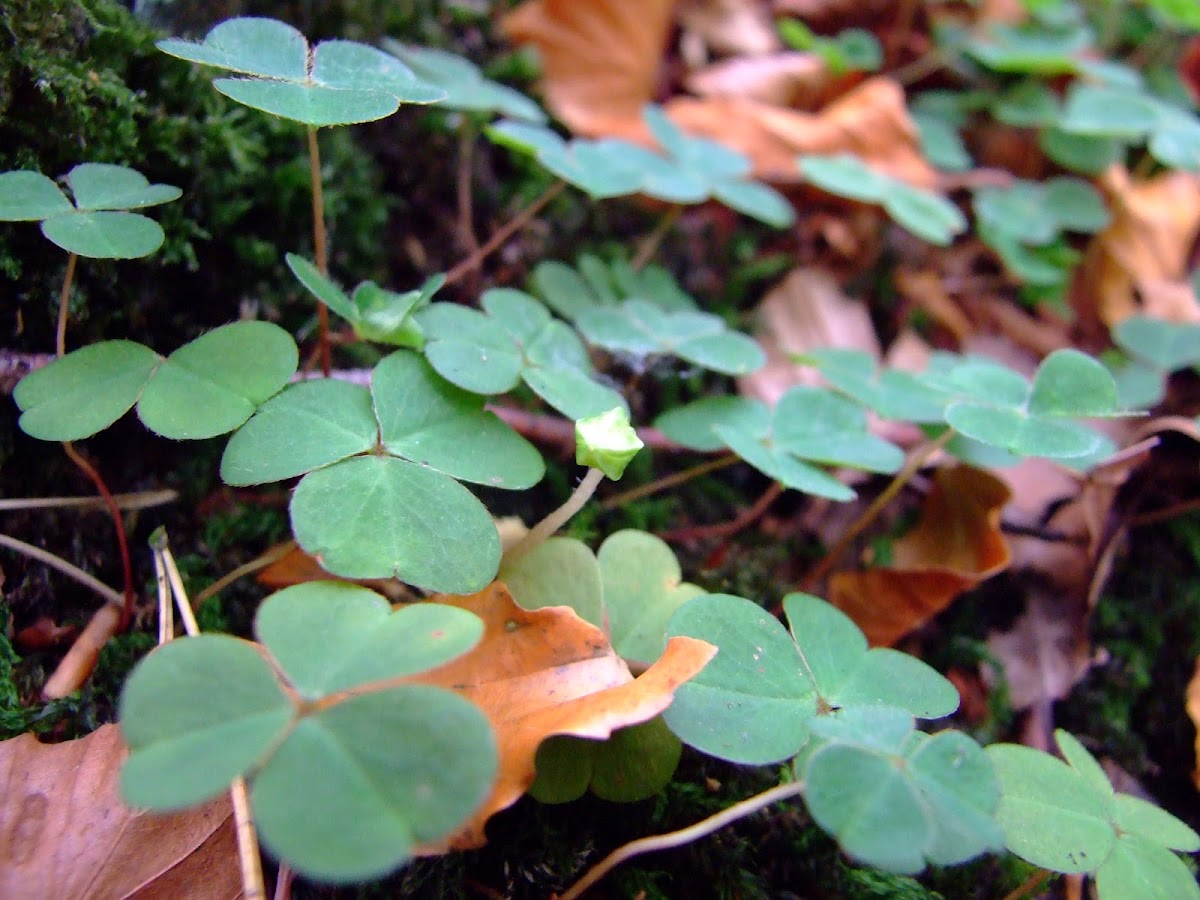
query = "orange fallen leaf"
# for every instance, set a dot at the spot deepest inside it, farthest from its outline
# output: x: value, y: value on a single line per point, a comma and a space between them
x: 1193, y: 711
x: 65, y: 832
x: 543, y: 672
x: 297, y: 566
x: 742, y: 27
x: 1139, y: 262
x: 870, y: 122
x: 600, y: 58
x: 956, y: 545
x: 796, y: 80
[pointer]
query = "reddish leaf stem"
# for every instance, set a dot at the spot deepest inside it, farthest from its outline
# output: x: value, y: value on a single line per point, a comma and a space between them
x: 320, y: 250
x: 504, y: 232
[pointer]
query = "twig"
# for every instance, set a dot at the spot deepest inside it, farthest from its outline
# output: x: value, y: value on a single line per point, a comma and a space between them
x: 166, y: 612
x: 558, y: 518
x: 320, y: 250
x: 1030, y: 885
x: 273, y: 555
x: 283, y: 882
x: 162, y: 551
x: 683, y: 836
x: 69, y: 569
x: 668, y: 481
x: 505, y: 231
x: 654, y: 239
x: 1167, y: 512
x: 138, y: 500
x: 915, y: 461
x: 733, y: 526
x: 466, y: 219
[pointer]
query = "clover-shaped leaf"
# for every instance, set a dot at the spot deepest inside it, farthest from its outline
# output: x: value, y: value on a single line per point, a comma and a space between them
x: 926, y: 214
x: 207, y: 387
x: 384, y: 768
x: 514, y: 339
x: 557, y: 572
x: 213, y: 384
x: 891, y: 393
x: 750, y: 704
x: 1126, y: 113
x: 808, y: 425
x: 1037, y: 214
x: 465, y: 86
x: 334, y: 83
x: 376, y: 314
x: 601, y: 169
x: 596, y: 284
x: 895, y: 798
x: 634, y: 763
x: 1031, y: 50
x: 997, y: 407
x: 756, y: 701
x: 1065, y: 816
x: 641, y: 328
x: 643, y: 586
x: 1167, y: 346
x: 98, y: 225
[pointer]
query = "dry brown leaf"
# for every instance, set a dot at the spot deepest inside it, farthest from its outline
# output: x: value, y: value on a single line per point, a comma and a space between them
x: 600, y: 59
x: 538, y: 673
x: 870, y: 122
x: 1143, y: 253
x: 1193, y: 711
x: 956, y: 545
x: 297, y: 566
x: 805, y: 311
x: 65, y: 833
x: 741, y: 27
x: 795, y: 80
x: 1046, y: 652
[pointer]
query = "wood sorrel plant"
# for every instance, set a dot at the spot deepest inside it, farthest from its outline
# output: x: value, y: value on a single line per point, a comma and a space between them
x: 350, y: 767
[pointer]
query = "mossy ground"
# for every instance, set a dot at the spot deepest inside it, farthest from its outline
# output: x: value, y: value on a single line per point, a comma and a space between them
x: 89, y: 70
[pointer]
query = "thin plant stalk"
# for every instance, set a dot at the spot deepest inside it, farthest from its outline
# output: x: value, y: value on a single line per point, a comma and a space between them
x: 115, y: 598
x: 504, y: 232
x: 320, y: 248
x: 649, y: 246
x: 742, y: 520
x: 1031, y: 884
x: 166, y: 612
x: 258, y: 563
x: 668, y: 481
x: 253, y: 887
x: 136, y: 500
x: 60, y: 347
x: 687, y: 835
x: 912, y: 465
x: 558, y: 518
x: 466, y: 218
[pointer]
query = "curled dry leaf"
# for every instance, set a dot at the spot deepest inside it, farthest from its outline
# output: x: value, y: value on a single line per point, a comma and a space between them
x: 804, y: 311
x: 1143, y: 254
x: 795, y: 80
x: 65, y: 832
x: 870, y: 122
x: 956, y: 545
x: 538, y: 673
x: 600, y: 59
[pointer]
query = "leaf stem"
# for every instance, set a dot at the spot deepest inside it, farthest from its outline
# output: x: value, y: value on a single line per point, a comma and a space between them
x: 684, y: 836
x: 727, y: 529
x: 668, y: 481
x: 505, y: 231
x: 558, y: 518
x: 1030, y: 885
x: 912, y: 465
x: 654, y: 239
x: 261, y: 562
x: 64, y: 297
x: 320, y: 250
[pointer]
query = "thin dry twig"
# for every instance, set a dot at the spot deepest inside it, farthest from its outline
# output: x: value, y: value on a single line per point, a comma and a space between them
x: 727, y: 529
x: 504, y: 232
x: 137, y: 500
x: 683, y: 836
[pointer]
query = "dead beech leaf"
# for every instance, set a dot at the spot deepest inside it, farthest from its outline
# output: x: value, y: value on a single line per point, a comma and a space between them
x: 956, y: 545
x: 1193, y: 711
x: 792, y: 79
x: 805, y: 311
x: 741, y: 27
x: 1046, y: 651
x: 543, y: 672
x: 1143, y: 253
x: 65, y: 833
x: 600, y: 59
x: 298, y: 566
x: 870, y: 122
